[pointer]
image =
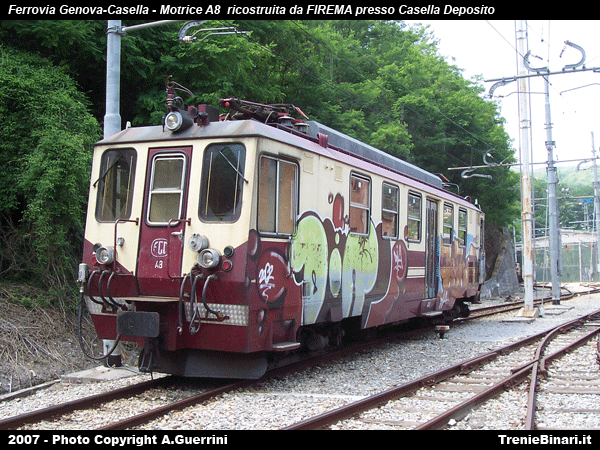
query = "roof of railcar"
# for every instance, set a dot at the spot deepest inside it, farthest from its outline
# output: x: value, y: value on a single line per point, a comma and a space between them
x: 249, y: 128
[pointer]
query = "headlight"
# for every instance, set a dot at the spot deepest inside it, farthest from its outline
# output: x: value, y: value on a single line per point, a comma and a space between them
x: 209, y: 258
x: 105, y: 255
x: 178, y: 121
x: 173, y: 121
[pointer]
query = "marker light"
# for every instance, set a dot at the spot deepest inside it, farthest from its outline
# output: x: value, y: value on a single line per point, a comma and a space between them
x: 197, y: 242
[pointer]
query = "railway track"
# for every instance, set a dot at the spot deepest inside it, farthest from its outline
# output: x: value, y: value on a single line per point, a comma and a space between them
x: 64, y: 410
x: 565, y: 389
x: 491, y: 310
x: 425, y: 403
x: 192, y: 398
x: 61, y: 411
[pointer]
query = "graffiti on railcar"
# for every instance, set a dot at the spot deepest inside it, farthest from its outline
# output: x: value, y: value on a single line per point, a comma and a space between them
x: 340, y: 274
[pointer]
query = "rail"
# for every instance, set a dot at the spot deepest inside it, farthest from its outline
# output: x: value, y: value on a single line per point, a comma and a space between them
x: 519, y: 373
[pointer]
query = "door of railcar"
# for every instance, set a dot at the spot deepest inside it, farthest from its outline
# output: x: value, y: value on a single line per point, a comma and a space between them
x: 431, y: 250
x: 163, y: 225
x: 482, y: 274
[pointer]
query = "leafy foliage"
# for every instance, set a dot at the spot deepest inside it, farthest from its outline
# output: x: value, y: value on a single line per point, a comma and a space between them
x: 45, y: 158
x: 379, y: 81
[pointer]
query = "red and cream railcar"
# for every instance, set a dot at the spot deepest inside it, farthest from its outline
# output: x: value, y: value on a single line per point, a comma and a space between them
x: 213, y: 243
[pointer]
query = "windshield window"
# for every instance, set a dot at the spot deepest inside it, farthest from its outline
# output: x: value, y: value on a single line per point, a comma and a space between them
x: 115, y: 185
x: 222, y: 182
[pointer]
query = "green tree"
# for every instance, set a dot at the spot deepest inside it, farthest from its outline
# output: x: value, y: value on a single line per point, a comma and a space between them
x: 380, y: 81
x: 386, y: 84
x: 45, y: 144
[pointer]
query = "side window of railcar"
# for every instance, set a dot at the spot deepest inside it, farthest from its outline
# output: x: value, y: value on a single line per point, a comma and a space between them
x: 360, y: 204
x: 389, y: 211
x: 277, y: 195
x: 448, y: 223
x: 166, y: 188
x: 115, y: 185
x: 414, y: 217
x: 462, y: 227
x: 222, y: 182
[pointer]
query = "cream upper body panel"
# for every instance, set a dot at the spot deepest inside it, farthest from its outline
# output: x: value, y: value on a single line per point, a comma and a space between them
x: 323, y: 172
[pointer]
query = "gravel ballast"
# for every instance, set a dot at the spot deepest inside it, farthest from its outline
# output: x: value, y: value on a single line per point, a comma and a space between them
x: 279, y: 402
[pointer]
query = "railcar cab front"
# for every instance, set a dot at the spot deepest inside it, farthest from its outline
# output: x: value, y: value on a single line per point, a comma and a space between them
x: 212, y: 243
x: 172, y: 252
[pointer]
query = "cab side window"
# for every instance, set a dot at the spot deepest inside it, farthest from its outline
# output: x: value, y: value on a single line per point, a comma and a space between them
x: 277, y: 195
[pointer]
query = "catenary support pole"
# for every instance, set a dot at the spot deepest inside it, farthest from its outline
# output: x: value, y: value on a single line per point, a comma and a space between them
x: 526, y: 201
x: 112, y: 117
x: 596, y: 206
x: 552, y: 204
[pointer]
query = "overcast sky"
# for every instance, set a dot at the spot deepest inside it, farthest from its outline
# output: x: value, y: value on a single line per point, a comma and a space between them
x: 488, y: 48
